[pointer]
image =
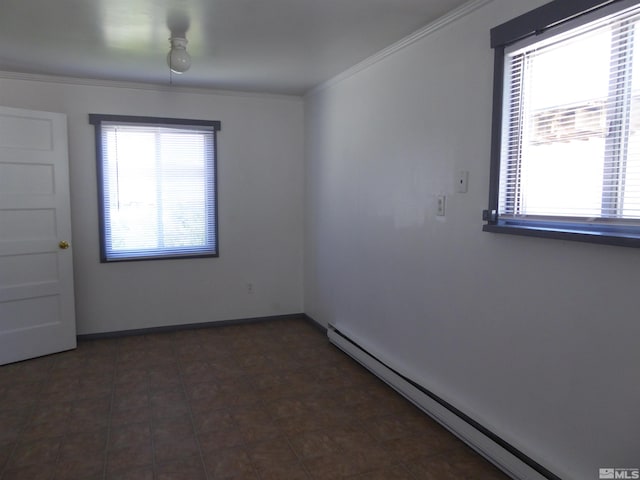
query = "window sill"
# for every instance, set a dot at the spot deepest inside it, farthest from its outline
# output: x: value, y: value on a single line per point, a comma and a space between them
x: 576, y: 234
x: 140, y: 258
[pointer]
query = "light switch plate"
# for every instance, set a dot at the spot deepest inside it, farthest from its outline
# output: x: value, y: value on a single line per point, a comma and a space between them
x: 441, y: 201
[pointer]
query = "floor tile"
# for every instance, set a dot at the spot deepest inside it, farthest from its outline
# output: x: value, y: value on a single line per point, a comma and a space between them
x: 130, y: 434
x: 83, y: 445
x: 35, y: 452
x: 230, y: 463
x: 50, y: 411
x: 11, y: 425
x: 138, y: 473
x: 127, y: 399
x: 337, y: 466
x: 129, y: 376
x: 174, y: 438
x: 126, y: 416
x: 90, y: 414
x: 208, y: 420
x: 314, y: 444
x: 223, y: 437
x: 190, y: 468
x: 5, y: 452
x: 396, y: 472
x: 41, y: 471
x: 47, y: 429
x: 280, y: 471
x: 267, y: 455
x: 126, y: 458
x: 80, y: 469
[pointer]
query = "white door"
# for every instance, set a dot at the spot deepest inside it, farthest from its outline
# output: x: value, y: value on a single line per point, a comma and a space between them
x: 37, y: 313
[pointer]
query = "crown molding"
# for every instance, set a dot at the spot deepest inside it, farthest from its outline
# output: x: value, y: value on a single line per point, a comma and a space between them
x: 425, y: 31
x: 154, y: 87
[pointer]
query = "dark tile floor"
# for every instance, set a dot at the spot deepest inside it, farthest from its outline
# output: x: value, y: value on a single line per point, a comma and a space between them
x: 270, y: 400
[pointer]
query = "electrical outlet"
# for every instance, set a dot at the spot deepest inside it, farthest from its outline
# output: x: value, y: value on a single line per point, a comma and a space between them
x: 249, y: 287
x: 441, y: 200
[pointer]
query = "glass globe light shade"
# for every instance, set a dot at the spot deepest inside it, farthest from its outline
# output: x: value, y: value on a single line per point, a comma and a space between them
x: 178, y: 58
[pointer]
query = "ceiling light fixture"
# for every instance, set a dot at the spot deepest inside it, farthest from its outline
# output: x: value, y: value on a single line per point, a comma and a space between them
x: 178, y: 58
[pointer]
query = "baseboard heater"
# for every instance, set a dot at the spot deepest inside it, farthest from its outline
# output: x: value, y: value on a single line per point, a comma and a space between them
x: 503, y: 455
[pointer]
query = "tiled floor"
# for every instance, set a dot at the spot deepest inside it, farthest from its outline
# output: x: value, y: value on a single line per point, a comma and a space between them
x: 270, y: 400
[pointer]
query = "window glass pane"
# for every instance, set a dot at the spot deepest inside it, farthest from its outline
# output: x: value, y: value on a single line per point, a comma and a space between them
x: 565, y: 91
x: 183, y: 189
x: 131, y: 190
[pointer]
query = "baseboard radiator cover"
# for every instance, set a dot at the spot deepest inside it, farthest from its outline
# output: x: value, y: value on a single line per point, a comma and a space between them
x: 504, y: 456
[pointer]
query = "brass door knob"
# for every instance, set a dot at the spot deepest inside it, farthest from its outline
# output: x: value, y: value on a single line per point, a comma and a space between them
x: 63, y: 245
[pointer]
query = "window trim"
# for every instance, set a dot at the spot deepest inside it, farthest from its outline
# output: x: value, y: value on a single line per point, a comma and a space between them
x: 97, y: 120
x: 549, y: 16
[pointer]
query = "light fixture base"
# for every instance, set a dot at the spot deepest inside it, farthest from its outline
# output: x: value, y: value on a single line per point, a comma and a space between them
x: 178, y: 59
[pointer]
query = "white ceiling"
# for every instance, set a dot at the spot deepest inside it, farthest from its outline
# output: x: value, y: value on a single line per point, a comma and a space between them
x: 277, y: 46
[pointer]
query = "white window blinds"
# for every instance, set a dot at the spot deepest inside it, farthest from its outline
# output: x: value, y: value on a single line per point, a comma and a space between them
x: 571, y: 124
x: 158, y: 190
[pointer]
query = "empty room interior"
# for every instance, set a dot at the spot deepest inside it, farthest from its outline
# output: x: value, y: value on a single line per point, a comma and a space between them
x: 319, y: 240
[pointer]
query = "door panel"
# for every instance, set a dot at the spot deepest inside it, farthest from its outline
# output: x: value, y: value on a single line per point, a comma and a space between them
x: 25, y: 269
x: 37, y: 313
x: 20, y: 225
x: 27, y: 179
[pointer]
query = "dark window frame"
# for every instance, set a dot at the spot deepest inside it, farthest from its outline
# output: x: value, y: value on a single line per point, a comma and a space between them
x: 97, y: 120
x: 535, y: 22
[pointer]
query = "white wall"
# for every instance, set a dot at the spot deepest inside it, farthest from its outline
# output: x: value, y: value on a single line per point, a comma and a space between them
x: 260, y: 180
x: 536, y: 339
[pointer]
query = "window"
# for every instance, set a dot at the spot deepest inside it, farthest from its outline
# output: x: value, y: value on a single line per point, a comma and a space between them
x: 566, y: 124
x: 156, y: 187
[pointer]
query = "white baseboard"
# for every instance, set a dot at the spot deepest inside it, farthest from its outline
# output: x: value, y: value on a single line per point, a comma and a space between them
x: 502, y: 458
